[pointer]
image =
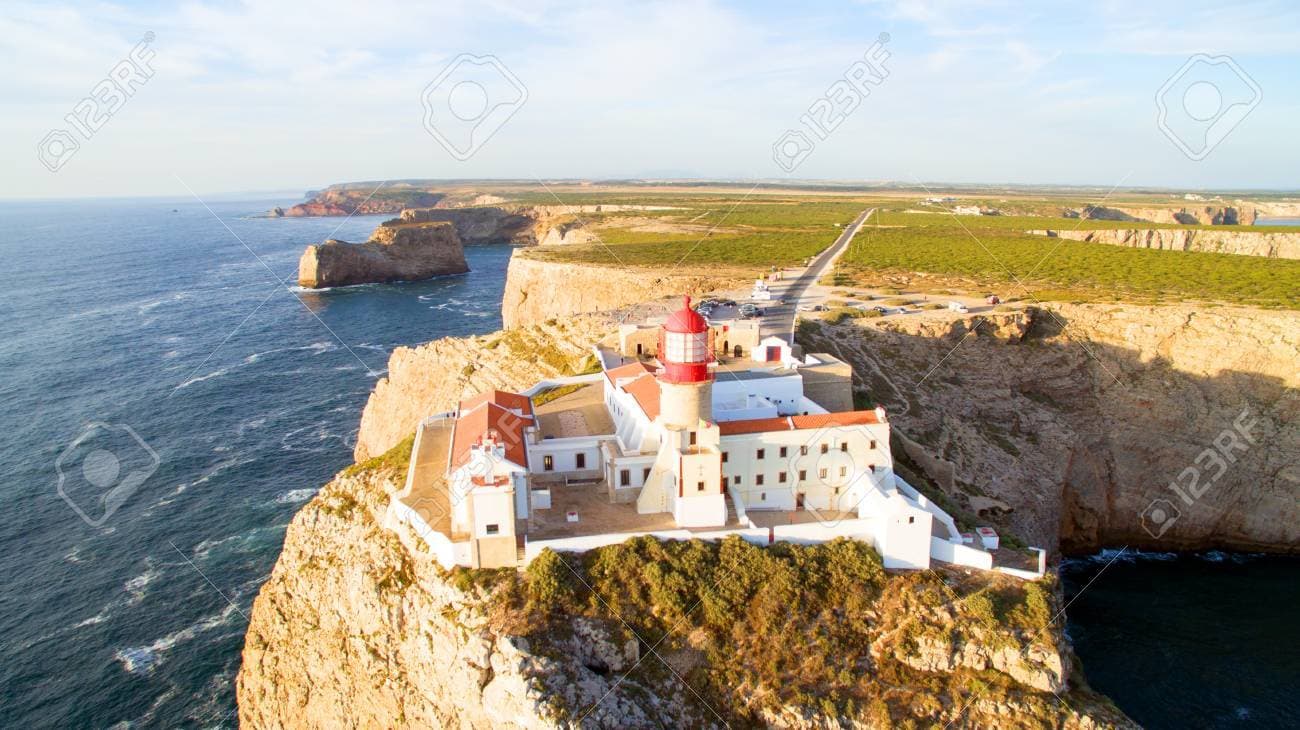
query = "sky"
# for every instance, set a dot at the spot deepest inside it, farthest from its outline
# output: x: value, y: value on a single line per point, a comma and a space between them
x: 243, y: 96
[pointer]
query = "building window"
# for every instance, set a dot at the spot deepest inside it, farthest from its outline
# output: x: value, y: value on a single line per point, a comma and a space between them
x: 692, y: 438
x: 758, y: 480
x: 803, y: 450
x: 645, y: 475
x: 822, y: 472
x: 761, y: 452
x: 548, y: 463
x: 781, y: 477
x: 844, y: 471
x: 735, y: 479
x: 844, y: 446
x: 783, y: 452
x: 826, y: 448
x: 699, y: 486
x: 580, y: 461
x: 624, y: 477
x: 911, y: 519
x: 724, y: 457
x: 873, y: 443
x: 803, y: 475
x: 492, y: 529
x: 762, y: 496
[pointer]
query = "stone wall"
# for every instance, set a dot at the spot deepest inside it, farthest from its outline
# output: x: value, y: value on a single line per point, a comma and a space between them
x: 1246, y: 243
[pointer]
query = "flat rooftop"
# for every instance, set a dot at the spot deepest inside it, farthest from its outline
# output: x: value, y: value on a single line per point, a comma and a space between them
x: 430, y: 497
x: 579, y: 413
x: 777, y: 517
x: 596, y: 515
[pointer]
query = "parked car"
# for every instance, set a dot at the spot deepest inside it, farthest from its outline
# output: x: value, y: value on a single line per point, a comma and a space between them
x: 728, y: 302
x: 957, y: 307
x: 813, y: 308
x: 882, y: 310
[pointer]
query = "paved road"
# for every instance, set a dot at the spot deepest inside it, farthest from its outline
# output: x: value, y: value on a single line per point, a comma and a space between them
x: 779, y: 320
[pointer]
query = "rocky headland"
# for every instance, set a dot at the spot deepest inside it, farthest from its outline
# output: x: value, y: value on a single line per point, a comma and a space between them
x: 1245, y: 243
x: 1060, y: 424
x: 395, y: 252
x: 347, y: 200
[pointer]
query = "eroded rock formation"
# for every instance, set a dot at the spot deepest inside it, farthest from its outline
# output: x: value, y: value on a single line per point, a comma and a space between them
x: 1065, y: 426
x: 393, y: 253
x: 1246, y: 243
x: 538, y: 290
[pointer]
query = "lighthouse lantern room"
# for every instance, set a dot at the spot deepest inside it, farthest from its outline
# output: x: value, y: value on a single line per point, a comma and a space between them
x: 685, y: 346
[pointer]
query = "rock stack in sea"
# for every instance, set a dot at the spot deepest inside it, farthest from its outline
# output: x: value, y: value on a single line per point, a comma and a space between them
x: 395, y: 252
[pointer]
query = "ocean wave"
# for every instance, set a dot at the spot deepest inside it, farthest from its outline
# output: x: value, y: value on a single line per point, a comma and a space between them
x: 144, y: 659
x: 201, y: 378
x: 136, y: 587
x: 294, y: 496
x: 316, y: 348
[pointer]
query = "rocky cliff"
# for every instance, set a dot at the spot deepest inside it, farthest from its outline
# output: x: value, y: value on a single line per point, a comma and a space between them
x: 353, y: 628
x: 393, y: 253
x: 538, y: 290
x: 1246, y: 243
x: 1068, y: 425
x: 435, y: 376
x: 1208, y: 215
x: 364, y: 200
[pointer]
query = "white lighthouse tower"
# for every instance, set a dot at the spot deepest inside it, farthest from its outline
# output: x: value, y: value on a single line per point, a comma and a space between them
x: 687, y: 475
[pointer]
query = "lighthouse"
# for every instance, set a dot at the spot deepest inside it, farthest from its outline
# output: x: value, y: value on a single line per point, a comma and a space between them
x: 686, y: 478
x: 685, y: 383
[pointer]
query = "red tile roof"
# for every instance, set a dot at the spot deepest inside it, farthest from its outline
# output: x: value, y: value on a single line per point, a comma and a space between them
x: 845, y: 418
x: 505, y: 426
x: 753, y: 425
x: 645, y: 390
x: 502, y: 398
x: 630, y: 370
x: 784, y: 423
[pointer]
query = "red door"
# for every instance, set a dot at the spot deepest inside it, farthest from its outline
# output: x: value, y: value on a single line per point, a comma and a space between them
x: 773, y: 353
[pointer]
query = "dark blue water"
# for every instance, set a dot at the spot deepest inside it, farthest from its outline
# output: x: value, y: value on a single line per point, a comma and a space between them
x: 1192, y: 641
x: 245, y: 398
x: 1277, y: 222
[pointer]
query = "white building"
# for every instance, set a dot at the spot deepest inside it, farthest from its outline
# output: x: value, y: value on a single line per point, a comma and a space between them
x: 681, y: 446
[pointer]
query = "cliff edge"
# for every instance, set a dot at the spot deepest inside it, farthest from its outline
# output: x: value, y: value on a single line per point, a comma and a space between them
x: 393, y: 253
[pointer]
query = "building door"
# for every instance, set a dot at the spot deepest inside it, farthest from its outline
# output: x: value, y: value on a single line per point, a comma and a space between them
x: 798, y: 500
x: 773, y: 353
x: 737, y: 350
x: 639, y: 348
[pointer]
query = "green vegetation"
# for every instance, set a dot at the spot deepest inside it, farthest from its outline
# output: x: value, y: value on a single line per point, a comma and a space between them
x: 396, y: 459
x: 991, y: 253
x: 559, y: 391
x: 942, y: 219
x: 838, y: 315
x: 740, y: 234
x: 763, y: 628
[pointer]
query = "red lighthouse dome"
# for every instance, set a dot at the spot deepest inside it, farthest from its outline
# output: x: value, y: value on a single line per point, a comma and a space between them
x: 684, y: 346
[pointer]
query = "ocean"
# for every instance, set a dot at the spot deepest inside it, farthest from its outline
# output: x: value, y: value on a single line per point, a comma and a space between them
x: 192, y: 402
x: 170, y: 401
x: 1206, y: 640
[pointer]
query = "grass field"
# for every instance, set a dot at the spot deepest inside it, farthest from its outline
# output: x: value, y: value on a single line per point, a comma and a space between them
x: 748, y: 235
x: 988, y: 253
x: 943, y: 219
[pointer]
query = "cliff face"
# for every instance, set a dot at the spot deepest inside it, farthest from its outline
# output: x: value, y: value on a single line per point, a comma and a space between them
x: 1209, y: 215
x: 435, y: 376
x: 1246, y: 243
x: 356, y: 626
x: 348, y: 201
x: 538, y: 290
x: 1068, y: 427
x: 393, y: 253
